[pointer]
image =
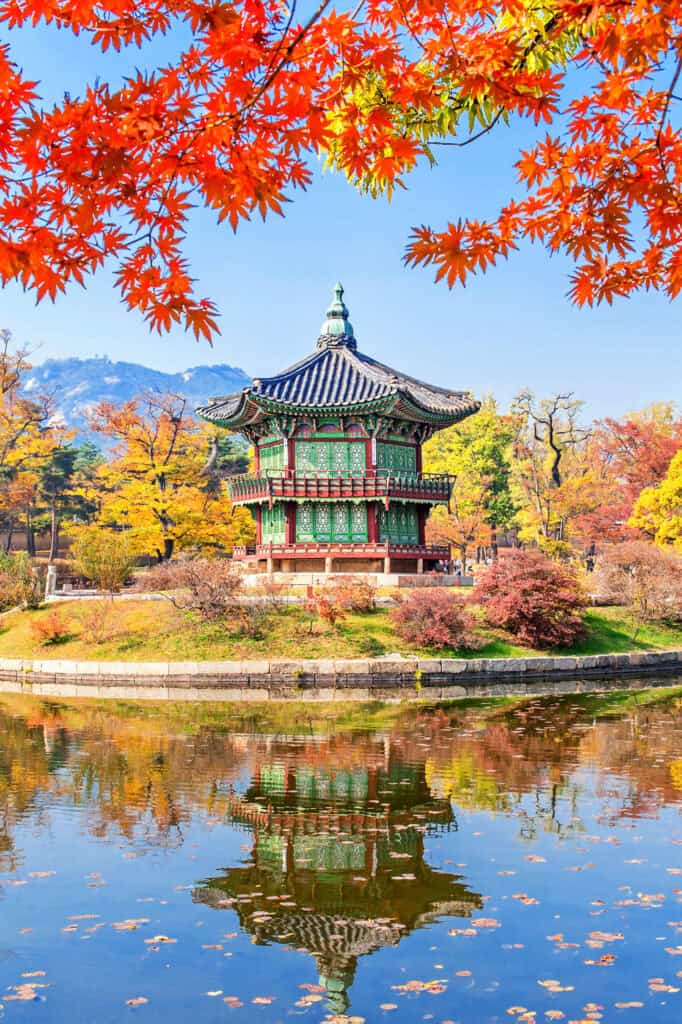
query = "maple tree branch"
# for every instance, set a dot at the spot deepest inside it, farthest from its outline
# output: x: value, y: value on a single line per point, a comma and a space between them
x: 668, y: 98
x: 472, y: 138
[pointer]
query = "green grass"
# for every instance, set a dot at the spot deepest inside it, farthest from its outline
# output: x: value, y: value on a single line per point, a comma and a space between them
x: 155, y: 631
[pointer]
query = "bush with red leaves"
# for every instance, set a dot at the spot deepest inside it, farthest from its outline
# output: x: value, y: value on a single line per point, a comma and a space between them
x: 434, y: 618
x: 540, y: 602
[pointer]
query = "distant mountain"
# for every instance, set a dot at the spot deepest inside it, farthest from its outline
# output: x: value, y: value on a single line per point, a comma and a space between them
x: 78, y: 385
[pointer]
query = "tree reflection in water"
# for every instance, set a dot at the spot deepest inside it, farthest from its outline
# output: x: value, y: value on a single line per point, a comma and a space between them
x: 343, y: 827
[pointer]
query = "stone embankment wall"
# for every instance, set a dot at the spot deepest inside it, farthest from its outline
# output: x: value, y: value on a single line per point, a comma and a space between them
x: 389, y: 678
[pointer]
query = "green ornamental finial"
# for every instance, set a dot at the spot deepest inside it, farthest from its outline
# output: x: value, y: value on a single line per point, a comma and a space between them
x: 337, y: 328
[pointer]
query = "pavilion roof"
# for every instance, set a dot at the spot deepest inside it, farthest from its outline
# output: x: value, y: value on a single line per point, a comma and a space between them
x: 337, y: 377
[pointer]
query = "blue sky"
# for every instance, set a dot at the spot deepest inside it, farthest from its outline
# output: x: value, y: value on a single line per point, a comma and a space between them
x: 509, y: 329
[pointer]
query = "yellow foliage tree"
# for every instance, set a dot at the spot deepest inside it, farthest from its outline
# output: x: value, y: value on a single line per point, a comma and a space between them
x: 658, y: 510
x: 159, y: 485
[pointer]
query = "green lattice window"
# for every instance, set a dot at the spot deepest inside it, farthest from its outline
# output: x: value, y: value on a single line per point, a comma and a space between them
x: 271, y: 459
x: 330, y: 458
x: 272, y: 524
x: 400, y: 524
x: 396, y: 458
x: 325, y: 522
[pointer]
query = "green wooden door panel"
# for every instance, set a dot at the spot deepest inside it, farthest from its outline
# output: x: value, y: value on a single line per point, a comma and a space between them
x: 396, y: 458
x: 273, y: 524
x: 271, y: 459
x: 326, y: 522
x: 331, y: 458
x: 399, y: 525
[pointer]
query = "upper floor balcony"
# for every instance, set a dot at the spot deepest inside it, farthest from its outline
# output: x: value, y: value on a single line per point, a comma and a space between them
x: 432, y: 488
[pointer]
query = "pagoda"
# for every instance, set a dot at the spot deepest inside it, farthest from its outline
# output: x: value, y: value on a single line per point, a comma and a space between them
x: 338, y: 483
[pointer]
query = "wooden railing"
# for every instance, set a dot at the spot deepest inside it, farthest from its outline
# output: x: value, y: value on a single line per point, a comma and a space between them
x: 315, y: 486
x: 352, y: 549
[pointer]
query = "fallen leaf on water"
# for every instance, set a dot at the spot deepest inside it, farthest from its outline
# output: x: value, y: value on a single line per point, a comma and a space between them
x: 263, y: 1000
x: 137, y: 1001
x: 217, y: 992
x: 633, y: 1005
x: 485, y: 922
x: 159, y: 940
x: 388, y: 1006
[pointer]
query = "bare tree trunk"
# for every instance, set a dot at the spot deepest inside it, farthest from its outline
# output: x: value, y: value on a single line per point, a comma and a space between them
x: 30, y: 534
x: 54, y: 534
x: 10, y: 532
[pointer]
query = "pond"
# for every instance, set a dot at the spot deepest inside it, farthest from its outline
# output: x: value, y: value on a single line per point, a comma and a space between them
x: 478, y: 863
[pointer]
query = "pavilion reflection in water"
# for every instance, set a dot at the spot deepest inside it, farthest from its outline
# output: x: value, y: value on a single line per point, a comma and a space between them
x: 337, y: 865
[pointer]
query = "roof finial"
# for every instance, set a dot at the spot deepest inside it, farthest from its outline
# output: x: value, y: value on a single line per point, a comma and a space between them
x: 337, y: 328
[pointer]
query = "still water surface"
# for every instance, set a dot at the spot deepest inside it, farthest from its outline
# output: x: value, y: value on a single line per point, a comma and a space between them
x: 463, y: 866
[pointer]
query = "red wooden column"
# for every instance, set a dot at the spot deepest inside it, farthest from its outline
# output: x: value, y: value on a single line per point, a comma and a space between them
x: 421, y: 523
x: 369, y: 466
x: 372, y: 523
x: 290, y: 523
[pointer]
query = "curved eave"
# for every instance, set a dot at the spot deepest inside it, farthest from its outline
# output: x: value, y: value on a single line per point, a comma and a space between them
x: 408, y: 407
x: 244, y: 413
x: 250, y: 408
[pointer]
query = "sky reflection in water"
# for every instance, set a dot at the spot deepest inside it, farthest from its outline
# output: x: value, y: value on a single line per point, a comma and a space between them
x: 469, y: 865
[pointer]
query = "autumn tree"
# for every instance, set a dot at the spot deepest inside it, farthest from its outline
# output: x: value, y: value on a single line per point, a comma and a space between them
x: 27, y: 438
x: 658, y: 510
x: 158, y: 484
x: 258, y: 88
x: 635, y: 452
x: 555, y: 482
x: 477, y: 454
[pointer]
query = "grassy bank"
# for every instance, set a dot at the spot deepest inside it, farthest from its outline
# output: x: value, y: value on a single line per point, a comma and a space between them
x: 155, y: 631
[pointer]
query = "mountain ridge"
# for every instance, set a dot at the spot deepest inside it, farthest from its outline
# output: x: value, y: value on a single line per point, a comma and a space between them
x: 78, y: 385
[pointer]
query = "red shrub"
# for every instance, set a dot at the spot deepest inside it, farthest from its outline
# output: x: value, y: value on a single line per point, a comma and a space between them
x: 434, y: 618
x: 326, y: 607
x: 51, y: 629
x: 539, y: 601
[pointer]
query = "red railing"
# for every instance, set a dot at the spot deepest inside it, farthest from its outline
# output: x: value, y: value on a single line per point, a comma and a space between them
x: 417, y: 486
x: 353, y: 549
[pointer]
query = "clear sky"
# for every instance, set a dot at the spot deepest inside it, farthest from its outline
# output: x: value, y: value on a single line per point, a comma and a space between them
x: 509, y: 329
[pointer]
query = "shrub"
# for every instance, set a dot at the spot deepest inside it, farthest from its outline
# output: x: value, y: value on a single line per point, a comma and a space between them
x: 352, y: 593
x: 325, y: 606
x: 274, y: 592
x: 644, y: 578
x: 434, y: 618
x: 102, y: 556
x: 209, y: 586
x: 50, y: 629
x: 250, y: 621
x: 539, y: 601
x: 99, y: 622
x: 20, y: 583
